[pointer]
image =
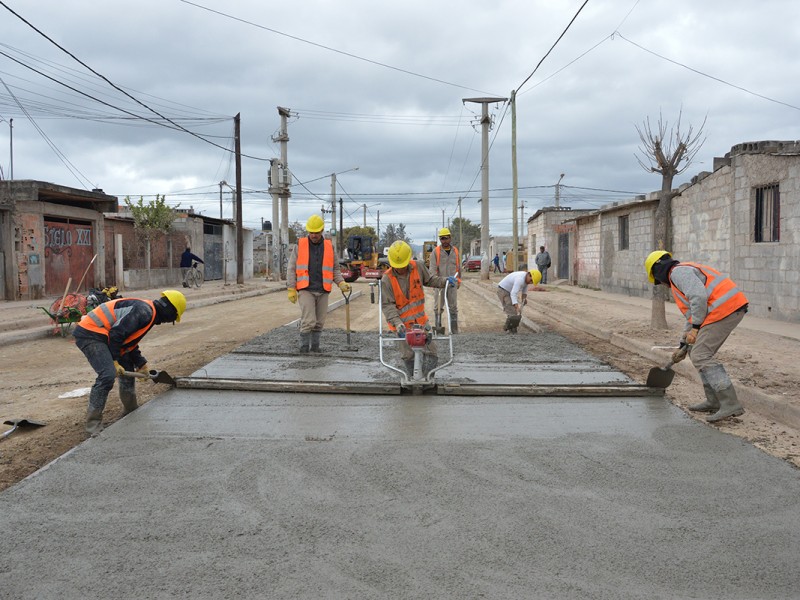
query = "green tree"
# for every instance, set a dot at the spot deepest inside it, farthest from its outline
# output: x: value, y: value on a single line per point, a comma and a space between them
x: 464, y: 227
x: 296, y: 231
x: 150, y: 221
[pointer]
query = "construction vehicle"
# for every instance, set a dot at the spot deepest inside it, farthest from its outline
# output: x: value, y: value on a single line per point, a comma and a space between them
x: 427, y: 250
x: 362, y: 259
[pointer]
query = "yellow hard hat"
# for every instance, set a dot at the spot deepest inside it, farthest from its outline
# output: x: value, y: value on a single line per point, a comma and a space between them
x: 177, y: 299
x: 315, y: 224
x: 652, y: 259
x: 444, y: 231
x: 399, y: 254
x: 536, y: 276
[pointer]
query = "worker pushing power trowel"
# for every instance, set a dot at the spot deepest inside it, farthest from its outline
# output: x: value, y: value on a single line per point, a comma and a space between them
x: 403, y: 306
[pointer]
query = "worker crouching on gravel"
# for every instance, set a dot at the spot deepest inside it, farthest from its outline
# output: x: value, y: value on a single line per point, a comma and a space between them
x: 445, y: 262
x: 713, y: 307
x: 403, y: 301
x: 109, y: 338
x: 311, y: 273
x: 513, y: 293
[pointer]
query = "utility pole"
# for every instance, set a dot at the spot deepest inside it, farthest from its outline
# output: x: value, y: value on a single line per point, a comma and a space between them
x: 340, y: 234
x: 486, y: 122
x: 558, y: 191
x: 239, y: 233
x: 365, y: 215
x: 378, y: 229
x: 460, y: 227
x: 221, y: 183
x: 442, y: 217
x: 522, y: 223
x: 10, y: 146
x: 514, y: 188
x: 280, y: 180
x: 333, y: 201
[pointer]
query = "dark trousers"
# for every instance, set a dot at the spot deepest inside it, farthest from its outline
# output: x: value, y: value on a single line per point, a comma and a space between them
x: 99, y: 356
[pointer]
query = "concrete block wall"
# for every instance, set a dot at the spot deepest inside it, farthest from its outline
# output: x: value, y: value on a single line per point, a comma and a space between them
x: 587, y: 252
x: 622, y: 271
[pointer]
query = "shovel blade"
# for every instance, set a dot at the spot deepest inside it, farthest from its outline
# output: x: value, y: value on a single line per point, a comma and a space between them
x: 660, y: 377
x: 162, y: 377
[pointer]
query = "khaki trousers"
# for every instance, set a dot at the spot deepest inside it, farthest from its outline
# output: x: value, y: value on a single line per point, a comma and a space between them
x: 313, y: 310
x: 710, y: 338
x: 452, y: 301
x: 505, y: 300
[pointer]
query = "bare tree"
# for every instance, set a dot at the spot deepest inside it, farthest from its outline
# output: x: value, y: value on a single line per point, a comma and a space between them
x: 668, y: 151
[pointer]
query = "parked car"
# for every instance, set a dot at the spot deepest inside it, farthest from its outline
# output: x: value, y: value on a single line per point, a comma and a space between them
x: 473, y: 263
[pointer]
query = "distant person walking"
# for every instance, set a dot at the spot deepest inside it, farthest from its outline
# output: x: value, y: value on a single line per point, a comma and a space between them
x: 496, y: 262
x: 513, y: 294
x: 186, y: 264
x: 310, y: 275
x: 542, y: 261
x: 713, y: 306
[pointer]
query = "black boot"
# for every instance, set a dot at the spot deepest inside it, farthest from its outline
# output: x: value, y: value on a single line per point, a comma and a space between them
x: 304, y: 340
x: 315, y: 341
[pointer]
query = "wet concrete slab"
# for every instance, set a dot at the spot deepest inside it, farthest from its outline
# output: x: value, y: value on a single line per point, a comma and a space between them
x: 205, y: 494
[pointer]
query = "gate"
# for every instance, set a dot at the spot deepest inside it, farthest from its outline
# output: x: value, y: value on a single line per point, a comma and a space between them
x: 212, y: 251
x: 563, y: 256
x: 68, y: 250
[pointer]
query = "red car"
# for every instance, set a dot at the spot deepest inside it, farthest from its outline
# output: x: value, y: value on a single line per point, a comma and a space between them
x: 473, y: 263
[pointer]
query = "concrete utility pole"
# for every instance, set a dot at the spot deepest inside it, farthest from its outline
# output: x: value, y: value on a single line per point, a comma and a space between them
x: 280, y: 180
x: 239, y: 232
x: 365, y: 215
x: 460, y: 227
x: 558, y: 191
x: 486, y: 123
x: 333, y: 201
x: 10, y: 146
x: 514, y: 189
x: 339, y: 234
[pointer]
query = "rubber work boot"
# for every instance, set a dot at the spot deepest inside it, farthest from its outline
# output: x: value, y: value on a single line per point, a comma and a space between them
x: 315, y: 341
x: 129, y: 403
x: 94, y: 421
x: 507, y: 324
x: 728, y: 406
x: 711, y: 404
x: 305, y: 338
x: 453, y: 325
x: 513, y: 323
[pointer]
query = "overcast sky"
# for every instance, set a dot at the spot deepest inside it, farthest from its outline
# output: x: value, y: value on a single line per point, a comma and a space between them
x: 379, y: 86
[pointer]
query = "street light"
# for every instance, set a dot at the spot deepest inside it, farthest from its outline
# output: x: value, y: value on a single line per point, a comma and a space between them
x: 10, y: 145
x: 558, y: 190
x: 225, y: 183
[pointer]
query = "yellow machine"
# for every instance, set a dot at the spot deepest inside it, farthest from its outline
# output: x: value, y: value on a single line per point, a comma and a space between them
x: 427, y: 250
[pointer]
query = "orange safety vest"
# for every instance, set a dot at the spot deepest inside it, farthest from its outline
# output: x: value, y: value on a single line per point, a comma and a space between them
x: 724, y: 298
x: 301, y: 268
x: 412, y: 309
x: 104, y: 317
x: 458, y: 262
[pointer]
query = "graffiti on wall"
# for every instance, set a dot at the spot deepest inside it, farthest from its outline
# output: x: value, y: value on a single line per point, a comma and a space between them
x: 59, y: 239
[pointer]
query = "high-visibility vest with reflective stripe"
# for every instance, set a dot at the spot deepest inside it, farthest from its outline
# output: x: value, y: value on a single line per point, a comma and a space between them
x: 412, y: 308
x: 458, y: 263
x: 303, y: 280
x: 104, y: 317
x: 724, y: 298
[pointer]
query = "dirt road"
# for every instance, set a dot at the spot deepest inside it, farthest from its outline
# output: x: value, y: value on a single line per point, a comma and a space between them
x: 36, y: 373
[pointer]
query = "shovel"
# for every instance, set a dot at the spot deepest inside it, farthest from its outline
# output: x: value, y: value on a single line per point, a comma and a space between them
x: 661, y: 377
x: 19, y: 423
x: 152, y: 374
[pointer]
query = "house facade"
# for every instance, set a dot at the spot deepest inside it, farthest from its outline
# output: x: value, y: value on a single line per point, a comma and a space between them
x: 743, y: 219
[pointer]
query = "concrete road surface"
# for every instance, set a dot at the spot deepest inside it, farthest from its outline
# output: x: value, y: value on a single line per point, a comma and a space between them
x: 207, y: 494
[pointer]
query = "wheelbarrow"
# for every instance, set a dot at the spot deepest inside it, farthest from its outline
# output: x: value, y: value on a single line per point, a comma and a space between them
x: 63, y: 318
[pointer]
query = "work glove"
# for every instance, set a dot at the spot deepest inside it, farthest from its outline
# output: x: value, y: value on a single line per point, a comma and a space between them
x: 119, y: 368
x: 691, y: 336
x: 680, y: 353
x: 292, y: 295
x: 345, y: 287
x: 143, y: 368
x: 452, y: 280
x: 401, y: 331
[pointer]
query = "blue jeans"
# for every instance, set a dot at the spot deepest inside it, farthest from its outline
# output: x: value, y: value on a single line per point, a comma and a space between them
x: 99, y: 356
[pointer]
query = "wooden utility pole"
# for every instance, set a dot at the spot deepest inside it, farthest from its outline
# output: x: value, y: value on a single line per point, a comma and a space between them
x: 514, y: 188
x: 486, y: 123
x: 239, y: 231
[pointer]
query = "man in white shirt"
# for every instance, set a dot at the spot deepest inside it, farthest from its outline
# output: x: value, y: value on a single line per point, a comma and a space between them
x: 513, y: 294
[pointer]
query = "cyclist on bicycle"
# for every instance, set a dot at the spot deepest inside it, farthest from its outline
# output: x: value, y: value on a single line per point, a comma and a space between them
x: 186, y: 263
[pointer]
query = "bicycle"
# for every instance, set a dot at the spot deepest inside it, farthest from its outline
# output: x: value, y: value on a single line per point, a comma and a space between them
x: 194, y: 277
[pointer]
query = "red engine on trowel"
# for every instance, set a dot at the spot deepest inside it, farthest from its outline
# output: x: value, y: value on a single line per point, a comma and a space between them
x: 416, y: 338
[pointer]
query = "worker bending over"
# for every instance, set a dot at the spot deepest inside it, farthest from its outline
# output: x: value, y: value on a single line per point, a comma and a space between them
x: 445, y: 262
x: 403, y: 301
x: 311, y: 273
x: 513, y: 294
x: 713, y: 307
x: 109, y: 337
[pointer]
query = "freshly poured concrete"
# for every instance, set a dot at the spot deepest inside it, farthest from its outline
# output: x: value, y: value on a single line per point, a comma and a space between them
x: 231, y: 494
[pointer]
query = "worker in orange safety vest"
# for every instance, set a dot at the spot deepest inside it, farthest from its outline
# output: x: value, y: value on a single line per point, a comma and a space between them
x: 713, y: 306
x: 444, y: 263
x: 312, y: 270
x: 403, y: 300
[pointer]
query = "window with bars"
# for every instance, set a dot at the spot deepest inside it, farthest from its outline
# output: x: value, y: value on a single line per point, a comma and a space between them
x: 767, y: 221
x: 623, y: 232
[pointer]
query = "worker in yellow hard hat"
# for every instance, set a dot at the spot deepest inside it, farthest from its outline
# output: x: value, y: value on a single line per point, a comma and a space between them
x: 403, y: 300
x: 313, y: 269
x: 513, y: 294
x: 109, y: 337
x: 713, y: 306
x: 446, y: 261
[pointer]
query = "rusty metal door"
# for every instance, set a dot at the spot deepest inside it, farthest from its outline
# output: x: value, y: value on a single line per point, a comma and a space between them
x: 212, y: 251
x: 562, y: 267
x: 68, y: 250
